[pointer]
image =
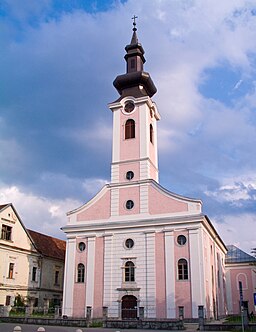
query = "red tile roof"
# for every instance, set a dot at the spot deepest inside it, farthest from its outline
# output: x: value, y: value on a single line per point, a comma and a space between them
x: 48, y: 246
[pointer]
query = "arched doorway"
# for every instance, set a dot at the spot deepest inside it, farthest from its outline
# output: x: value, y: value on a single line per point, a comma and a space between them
x: 129, y: 307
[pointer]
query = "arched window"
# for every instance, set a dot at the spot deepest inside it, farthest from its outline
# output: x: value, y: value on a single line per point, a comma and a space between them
x: 130, y: 129
x: 182, y: 269
x: 80, y: 272
x: 129, y: 271
x: 151, y: 132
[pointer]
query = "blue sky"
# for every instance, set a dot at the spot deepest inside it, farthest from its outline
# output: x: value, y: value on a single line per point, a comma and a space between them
x: 58, y: 61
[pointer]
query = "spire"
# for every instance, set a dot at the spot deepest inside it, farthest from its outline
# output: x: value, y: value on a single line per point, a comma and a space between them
x: 136, y: 82
x: 134, y: 35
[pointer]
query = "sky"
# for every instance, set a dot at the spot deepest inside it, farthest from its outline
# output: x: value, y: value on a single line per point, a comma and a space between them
x: 58, y: 60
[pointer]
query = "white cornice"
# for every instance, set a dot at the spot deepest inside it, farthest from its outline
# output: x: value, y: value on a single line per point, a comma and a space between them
x: 137, y: 101
x: 149, y: 221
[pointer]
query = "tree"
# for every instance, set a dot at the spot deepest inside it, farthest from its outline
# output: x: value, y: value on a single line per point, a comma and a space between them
x: 19, y: 301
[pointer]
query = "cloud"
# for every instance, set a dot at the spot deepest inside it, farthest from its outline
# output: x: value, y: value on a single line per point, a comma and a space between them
x: 238, y: 192
x: 237, y: 85
x: 58, y: 64
x: 44, y: 214
x: 238, y: 230
x: 39, y: 213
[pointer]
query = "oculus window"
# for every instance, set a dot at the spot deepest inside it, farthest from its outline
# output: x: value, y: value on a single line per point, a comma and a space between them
x: 129, y: 243
x: 81, y: 246
x: 181, y: 239
x: 129, y: 204
x: 129, y: 175
x: 129, y: 106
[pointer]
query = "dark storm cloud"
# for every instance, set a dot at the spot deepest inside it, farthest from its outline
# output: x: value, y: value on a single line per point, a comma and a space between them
x: 53, y: 80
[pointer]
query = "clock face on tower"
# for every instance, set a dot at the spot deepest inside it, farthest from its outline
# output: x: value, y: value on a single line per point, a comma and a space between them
x: 129, y: 106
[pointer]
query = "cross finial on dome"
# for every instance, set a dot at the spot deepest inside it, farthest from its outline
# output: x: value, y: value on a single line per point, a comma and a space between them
x: 134, y: 22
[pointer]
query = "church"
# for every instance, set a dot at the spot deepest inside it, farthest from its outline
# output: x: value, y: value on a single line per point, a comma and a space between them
x: 137, y: 250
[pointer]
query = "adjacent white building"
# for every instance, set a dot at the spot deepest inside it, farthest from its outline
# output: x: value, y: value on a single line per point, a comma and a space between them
x: 31, y: 263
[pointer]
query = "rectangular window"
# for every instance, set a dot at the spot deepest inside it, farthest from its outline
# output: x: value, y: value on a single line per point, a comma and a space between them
x: 8, y: 300
x: 34, y: 270
x: 181, y: 312
x: 129, y: 272
x: 182, y: 269
x: 57, y: 274
x: 11, y: 270
x: 36, y: 302
x: 6, y: 233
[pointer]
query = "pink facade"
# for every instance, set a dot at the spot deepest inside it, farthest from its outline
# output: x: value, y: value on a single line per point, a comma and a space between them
x: 79, y: 287
x: 182, y: 287
x: 129, y: 148
x: 246, y: 274
x: 129, y: 166
x: 161, y: 203
x: 125, y: 194
x: 99, y: 210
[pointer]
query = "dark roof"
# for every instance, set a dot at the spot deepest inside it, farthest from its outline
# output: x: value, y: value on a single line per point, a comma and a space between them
x: 48, y: 246
x: 136, y: 82
x: 3, y: 206
x: 236, y: 255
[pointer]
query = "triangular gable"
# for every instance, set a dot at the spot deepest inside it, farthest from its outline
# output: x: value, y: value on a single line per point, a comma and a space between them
x: 13, y: 219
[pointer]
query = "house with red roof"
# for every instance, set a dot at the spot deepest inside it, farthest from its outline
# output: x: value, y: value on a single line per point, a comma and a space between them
x: 31, y: 263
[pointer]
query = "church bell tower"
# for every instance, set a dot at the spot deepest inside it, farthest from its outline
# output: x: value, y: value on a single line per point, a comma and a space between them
x: 135, y: 116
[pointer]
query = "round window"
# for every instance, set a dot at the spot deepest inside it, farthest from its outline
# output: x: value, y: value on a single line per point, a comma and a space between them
x: 129, y: 175
x: 81, y: 246
x: 129, y: 204
x: 129, y: 106
x: 129, y: 243
x: 181, y: 239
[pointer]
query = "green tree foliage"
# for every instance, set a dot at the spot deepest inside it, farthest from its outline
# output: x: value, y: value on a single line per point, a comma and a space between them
x: 19, y: 301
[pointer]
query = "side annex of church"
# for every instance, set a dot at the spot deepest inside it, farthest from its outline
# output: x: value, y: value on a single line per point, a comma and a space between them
x: 136, y: 249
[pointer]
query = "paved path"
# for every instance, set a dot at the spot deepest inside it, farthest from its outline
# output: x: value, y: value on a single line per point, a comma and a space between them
x: 8, y: 327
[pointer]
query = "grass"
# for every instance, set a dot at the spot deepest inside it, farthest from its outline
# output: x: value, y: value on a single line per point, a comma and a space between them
x: 238, y: 319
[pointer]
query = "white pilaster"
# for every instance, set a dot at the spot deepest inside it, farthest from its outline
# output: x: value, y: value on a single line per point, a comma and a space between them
x: 108, y: 291
x: 144, y: 130
x: 196, y: 270
x: 90, y: 272
x: 114, y: 173
x: 116, y: 136
x: 170, y: 274
x: 150, y: 276
x: 114, y: 201
x: 144, y: 198
x: 69, y: 280
x: 144, y: 169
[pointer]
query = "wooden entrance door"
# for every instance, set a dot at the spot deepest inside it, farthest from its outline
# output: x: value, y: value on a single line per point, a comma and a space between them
x: 129, y: 307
